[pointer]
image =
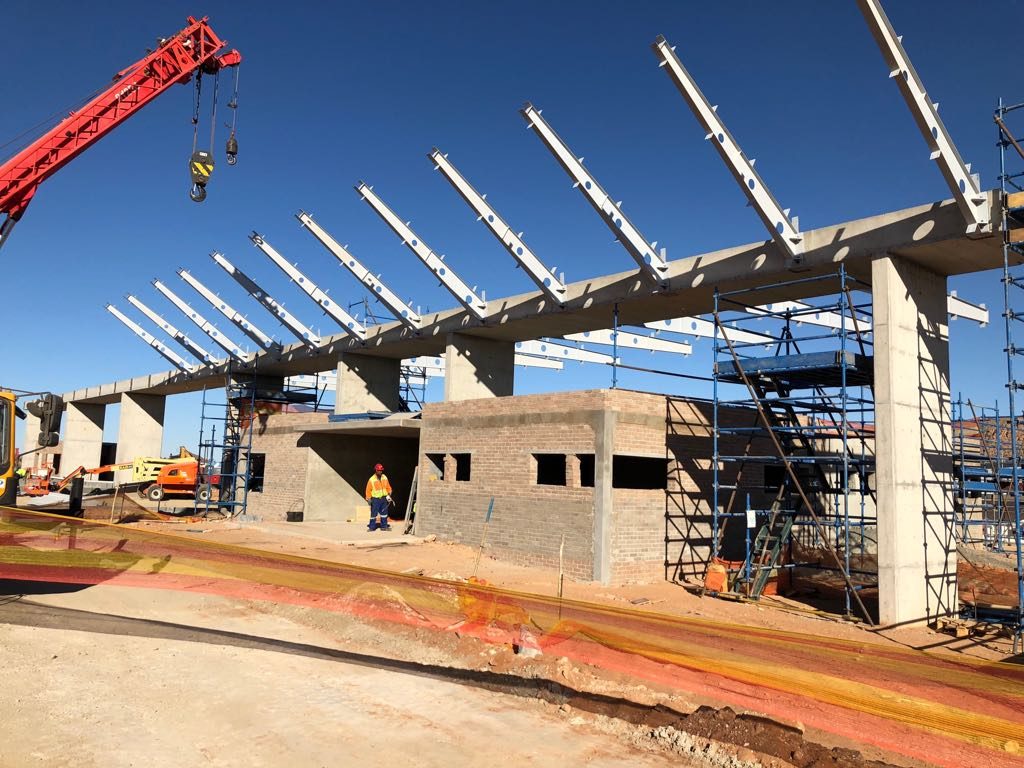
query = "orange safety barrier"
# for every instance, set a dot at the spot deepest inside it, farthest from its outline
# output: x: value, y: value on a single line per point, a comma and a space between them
x: 944, y: 710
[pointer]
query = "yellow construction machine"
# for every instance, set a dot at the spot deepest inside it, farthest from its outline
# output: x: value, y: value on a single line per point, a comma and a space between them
x: 48, y: 409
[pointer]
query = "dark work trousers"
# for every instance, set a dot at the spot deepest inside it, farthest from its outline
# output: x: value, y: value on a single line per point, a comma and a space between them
x: 378, y: 507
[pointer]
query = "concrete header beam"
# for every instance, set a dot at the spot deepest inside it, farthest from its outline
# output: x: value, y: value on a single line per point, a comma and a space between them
x: 929, y: 235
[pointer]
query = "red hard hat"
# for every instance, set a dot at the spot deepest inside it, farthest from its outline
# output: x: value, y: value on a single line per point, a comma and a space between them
x: 379, y: 468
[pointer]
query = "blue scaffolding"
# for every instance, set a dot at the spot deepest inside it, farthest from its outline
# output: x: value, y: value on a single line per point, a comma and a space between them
x: 793, y: 436
x: 1011, y: 183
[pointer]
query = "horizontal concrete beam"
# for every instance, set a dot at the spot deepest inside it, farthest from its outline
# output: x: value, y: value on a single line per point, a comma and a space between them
x: 929, y: 235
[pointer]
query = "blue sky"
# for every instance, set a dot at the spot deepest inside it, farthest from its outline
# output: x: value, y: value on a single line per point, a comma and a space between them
x: 335, y: 93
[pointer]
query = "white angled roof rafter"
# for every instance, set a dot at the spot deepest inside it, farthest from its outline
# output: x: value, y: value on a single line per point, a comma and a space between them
x: 212, y: 333
x: 240, y: 321
x: 627, y: 340
x: 286, y: 318
x: 348, y: 323
x: 184, y: 341
x: 465, y: 295
x: 389, y: 298
x: 544, y: 277
x: 965, y: 186
x: 610, y: 211
x: 784, y: 230
x: 169, y: 355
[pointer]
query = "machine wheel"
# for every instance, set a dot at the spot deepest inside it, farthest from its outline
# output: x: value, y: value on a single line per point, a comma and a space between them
x: 204, y: 493
x: 155, y: 493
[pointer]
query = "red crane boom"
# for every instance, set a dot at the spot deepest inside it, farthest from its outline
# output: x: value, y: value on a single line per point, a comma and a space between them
x: 193, y: 49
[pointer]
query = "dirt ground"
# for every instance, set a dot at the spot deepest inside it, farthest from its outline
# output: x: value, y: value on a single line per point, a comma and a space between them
x: 348, y: 543
x: 130, y: 676
x: 112, y: 676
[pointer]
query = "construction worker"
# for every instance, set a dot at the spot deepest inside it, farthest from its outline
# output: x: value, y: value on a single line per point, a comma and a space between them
x: 378, y: 496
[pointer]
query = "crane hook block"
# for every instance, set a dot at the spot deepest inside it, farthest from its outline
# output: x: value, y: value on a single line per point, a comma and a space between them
x: 200, y: 166
x: 232, y: 149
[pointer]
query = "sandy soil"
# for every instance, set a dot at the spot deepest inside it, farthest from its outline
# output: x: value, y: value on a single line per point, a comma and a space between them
x: 111, y: 677
x: 433, y: 558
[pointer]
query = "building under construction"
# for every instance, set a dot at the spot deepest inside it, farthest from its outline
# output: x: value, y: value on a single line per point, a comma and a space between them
x: 827, y: 453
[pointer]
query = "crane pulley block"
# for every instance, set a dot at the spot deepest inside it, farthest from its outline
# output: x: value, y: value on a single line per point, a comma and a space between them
x: 200, y: 165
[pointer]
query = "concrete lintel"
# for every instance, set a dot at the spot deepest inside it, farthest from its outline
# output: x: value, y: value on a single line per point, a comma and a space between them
x: 367, y: 383
x: 914, y: 479
x: 83, y: 436
x: 476, y: 367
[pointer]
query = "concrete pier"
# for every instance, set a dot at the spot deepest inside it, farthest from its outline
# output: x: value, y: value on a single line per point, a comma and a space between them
x: 476, y: 367
x: 83, y: 436
x: 140, y: 431
x: 914, y: 480
x: 367, y: 383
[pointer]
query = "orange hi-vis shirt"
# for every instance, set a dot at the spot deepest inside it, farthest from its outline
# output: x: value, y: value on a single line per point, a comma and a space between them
x: 378, y: 489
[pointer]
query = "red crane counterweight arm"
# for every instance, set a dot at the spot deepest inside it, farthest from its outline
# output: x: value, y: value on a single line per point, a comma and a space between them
x: 175, y: 61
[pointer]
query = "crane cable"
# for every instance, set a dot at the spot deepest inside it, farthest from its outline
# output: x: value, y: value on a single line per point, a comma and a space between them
x: 213, y: 110
x: 232, y: 144
x: 196, y: 98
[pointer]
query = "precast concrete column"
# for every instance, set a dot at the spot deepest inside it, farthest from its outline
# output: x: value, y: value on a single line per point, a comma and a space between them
x: 913, y: 443
x: 604, y: 504
x: 140, y: 431
x: 367, y: 383
x: 475, y: 367
x: 83, y: 436
x: 29, y: 443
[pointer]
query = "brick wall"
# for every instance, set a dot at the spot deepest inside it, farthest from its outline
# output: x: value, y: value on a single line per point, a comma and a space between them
x: 501, y: 435
x: 287, y: 456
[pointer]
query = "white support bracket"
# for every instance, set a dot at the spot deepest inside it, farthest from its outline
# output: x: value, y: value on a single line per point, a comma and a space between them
x: 237, y: 318
x: 325, y: 302
x: 783, y: 229
x: 957, y: 308
x: 462, y: 292
x: 184, y: 341
x: 550, y: 349
x: 233, y: 349
x: 965, y: 186
x: 287, y: 319
x: 389, y: 298
x: 626, y: 340
x: 544, y: 277
x: 610, y: 211
x: 168, y: 355
x: 698, y: 327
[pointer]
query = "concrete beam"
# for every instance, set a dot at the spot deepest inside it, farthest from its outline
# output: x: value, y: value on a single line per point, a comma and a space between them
x: 914, y: 479
x: 930, y: 235
x: 367, y: 383
x: 476, y: 367
x: 83, y: 436
x: 140, y: 431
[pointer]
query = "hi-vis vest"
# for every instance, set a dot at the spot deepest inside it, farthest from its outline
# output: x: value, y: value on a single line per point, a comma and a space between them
x: 378, y: 489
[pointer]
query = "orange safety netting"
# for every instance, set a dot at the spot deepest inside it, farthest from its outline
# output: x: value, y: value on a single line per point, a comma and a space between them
x: 944, y: 710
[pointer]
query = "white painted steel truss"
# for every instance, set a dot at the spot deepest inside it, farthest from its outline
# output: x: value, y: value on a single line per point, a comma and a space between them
x: 348, y: 323
x: 212, y: 333
x: 380, y: 291
x: 169, y: 355
x: 545, y: 278
x: 611, y: 212
x: 183, y: 341
x: 465, y: 295
x: 287, y: 319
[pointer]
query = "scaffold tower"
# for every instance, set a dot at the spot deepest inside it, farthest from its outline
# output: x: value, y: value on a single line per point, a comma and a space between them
x: 1011, y: 183
x: 793, y: 441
